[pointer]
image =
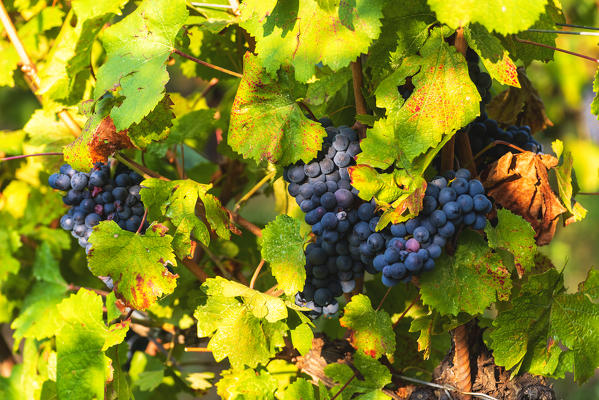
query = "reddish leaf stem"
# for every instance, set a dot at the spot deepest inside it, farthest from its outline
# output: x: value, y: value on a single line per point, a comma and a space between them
x: 384, y: 298
x: 588, y: 193
x: 29, y: 155
x: 143, y: 219
x: 206, y: 64
x: 197, y: 350
x: 493, y: 144
x: 75, y: 288
x: 403, y: 314
x: 557, y: 49
x: 344, y: 386
x: 256, y: 273
x: 305, y: 107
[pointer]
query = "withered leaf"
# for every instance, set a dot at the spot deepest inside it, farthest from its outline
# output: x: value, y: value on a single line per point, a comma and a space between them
x: 520, y: 183
x: 520, y: 106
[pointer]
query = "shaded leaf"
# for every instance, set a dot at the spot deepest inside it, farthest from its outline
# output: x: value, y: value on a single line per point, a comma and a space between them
x: 564, y: 174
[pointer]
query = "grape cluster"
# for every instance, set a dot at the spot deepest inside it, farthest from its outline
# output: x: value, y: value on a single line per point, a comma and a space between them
x: 323, y: 191
x: 415, y: 244
x: 481, y: 80
x: 96, y: 197
x: 484, y: 131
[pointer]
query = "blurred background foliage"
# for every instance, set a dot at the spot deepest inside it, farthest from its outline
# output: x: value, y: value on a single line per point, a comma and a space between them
x: 565, y: 85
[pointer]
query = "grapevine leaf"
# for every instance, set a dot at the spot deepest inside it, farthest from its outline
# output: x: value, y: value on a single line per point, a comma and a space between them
x: 283, y: 248
x: 308, y: 33
x: 8, y: 63
x: 153, y: 126
x: 520, y: 106
x: 266, y: 121
x: 371, y: 184
x: 246, y: 384
x: 505, y: 16
x: 515, y: 235
x: 371, y: 331
x: 379, y: 147
x: 45, y: 129
x: 520, y: 183
x: 81, y: 343
x: 301, y: 337
x: 137, y: 48
x: 326, y: 86
x: 413, y: 189
x: 375, y: 375
x: 546, y: 21
x: 39, y: 317
x: 443, y: 101
x: 470, y: 280
x: 595, y: 103
x: 393, y: 44
x: 564, y: 173
x: 64, y: 76
x: 98, y: 140
x: 494, y: 57
x: 300, y: 389
x: 177, y: 200
x: 136, y: 263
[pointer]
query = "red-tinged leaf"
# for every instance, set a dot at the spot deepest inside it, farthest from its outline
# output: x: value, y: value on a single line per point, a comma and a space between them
x: 136, y: 263
x: 494, y: 56
x: 371, y: 184
x: 406, y: 206
x: 266, y: 121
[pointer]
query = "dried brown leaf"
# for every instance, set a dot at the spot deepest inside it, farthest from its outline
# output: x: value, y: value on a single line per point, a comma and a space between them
x: 520, y: 106
x: 520, y: 183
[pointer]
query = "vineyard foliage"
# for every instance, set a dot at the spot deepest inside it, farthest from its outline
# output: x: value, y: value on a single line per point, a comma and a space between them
x: 210, y: 103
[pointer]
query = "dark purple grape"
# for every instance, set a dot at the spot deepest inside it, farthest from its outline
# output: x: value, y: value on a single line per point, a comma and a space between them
x: 344, y: 198
x: 66, y: 169
x: 92, y: 220
x: 79, y: 181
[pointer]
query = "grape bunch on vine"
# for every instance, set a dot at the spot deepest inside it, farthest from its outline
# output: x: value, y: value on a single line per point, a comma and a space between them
x: 305, y: 199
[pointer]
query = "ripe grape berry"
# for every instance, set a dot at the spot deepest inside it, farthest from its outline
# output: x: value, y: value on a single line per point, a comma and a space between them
x: 96, y: 197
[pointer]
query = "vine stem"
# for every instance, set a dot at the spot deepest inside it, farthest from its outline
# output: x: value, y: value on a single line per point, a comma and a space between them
x: 589, y: 193
x: 29, y: 155
x: 256, y: 273
x: 143, y: 219
x: 344, y: 386
x: 197, y: 350
x: 557, y: 49
x: 357, y: 81
x: 30, y: 70
x: 305, y: 107
x: 253, y: 190
x: 591, y: 28
x: 495, y: 143
x: 75, y: 288
x: 384, y: 298
x: 140, y: 169
x: 403, y: 314
x: 206, y: 64
x: 461, y: 360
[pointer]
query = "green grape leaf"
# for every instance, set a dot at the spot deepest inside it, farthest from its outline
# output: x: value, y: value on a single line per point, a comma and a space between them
x: 495, y: 58
x: 136, y: 263
x: 283, y: 248
x: 177, y: 201
x: 45, y: 266
x: 444, y: 99
x: 249, y: 331
x: 301, y: 337
x: 371, y: 184
x: 63, y: 77
x: 262, y: 305
x: 564, y: 173
x: 372, y: 331
x: 375, y: 375
x: 39, y: 317
x: 308, y: 33
x: 505, y: 16
x: 266, y: 121
x: 8, y: 63
x: 246, y: 384
x: 45, y: 129
x: 470, y: 280
x: 153, y: 126
x: 517, y: 236
x: 404, y: 31
x: 81, y: 343
x: 595, y: 103
x: 137, y: 48
x: 300, y: 389
x: 546, y: 21
x: 379, y: 147
x: 327, y: 84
